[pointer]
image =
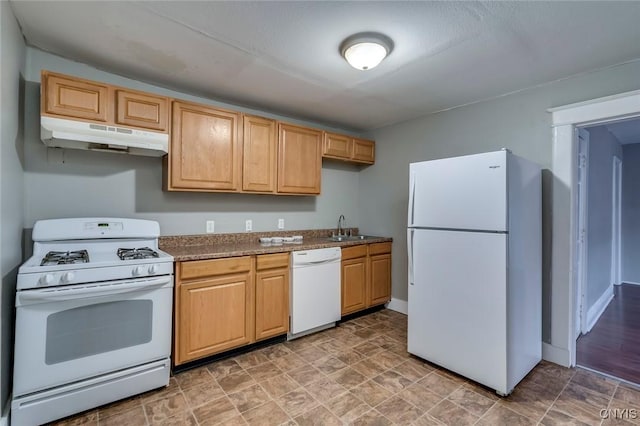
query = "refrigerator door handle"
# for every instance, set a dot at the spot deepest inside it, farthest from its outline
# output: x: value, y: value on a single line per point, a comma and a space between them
x: 412, y: 193
x: 410, y: 252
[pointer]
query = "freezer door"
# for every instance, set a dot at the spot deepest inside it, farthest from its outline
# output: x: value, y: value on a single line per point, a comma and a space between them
x: 457, y: 303
x: 467, y: 192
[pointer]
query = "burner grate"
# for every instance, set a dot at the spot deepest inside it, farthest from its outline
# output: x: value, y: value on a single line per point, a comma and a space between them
x: 65, y: 257
x: 136, y: 253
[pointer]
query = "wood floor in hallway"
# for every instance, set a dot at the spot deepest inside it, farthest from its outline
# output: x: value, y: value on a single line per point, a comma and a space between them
x: 613, y: 345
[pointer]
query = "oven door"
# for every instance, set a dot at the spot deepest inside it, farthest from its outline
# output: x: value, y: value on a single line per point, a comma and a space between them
x: 65, y: 334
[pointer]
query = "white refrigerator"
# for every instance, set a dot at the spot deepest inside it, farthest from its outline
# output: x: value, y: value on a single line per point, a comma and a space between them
x: 475, y: 253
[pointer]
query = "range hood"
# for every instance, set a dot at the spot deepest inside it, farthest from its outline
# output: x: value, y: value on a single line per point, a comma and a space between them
x: 64, y: 133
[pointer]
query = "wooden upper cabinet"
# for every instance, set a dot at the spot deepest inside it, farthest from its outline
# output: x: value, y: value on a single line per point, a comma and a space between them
x: 142, y: 110
x: 337, y: 146
x: 347, y: 148
x: 259, y: 160
x: 299, y: 159
x: 363, y: 151
x: 74, y: 98
x: 205, y: 149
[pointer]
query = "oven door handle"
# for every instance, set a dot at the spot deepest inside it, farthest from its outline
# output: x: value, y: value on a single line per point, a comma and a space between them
x: 89, y: 290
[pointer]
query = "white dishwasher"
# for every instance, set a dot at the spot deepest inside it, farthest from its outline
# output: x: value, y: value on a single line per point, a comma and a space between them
x: 315, y: 290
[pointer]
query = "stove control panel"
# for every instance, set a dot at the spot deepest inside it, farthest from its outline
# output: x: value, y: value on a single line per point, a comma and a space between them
x: 87, y: 275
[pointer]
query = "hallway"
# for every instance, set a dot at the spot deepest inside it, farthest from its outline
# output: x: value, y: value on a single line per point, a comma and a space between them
x: 613, y: 345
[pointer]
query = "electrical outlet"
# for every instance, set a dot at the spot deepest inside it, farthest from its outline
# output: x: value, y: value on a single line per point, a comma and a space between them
x: 280, y: 223
x: 211, y: 227
x: 248, y: 225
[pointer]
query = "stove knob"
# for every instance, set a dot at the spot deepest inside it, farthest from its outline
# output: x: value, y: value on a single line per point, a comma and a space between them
x: 138, y: 270
x: 153, y: 269
x: 47, y: 279
x: 67, y: 277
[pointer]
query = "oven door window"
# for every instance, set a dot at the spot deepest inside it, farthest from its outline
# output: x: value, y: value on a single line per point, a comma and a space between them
x: 98, y: 328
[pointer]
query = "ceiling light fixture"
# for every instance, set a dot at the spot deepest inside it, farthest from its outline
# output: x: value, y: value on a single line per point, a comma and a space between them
x: 364, y: 51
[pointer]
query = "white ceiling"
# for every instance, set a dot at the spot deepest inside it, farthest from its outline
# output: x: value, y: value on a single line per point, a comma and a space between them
x: 627, y: 132
x: 283, y: 56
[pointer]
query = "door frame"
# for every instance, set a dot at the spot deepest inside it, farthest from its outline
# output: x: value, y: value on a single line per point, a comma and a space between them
x: 616, y: 222
x: 562, y: 346
x: 582, y: 241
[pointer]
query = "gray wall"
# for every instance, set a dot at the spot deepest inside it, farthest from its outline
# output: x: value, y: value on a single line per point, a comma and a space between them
x: 73, y: 183
x: 518, y: 121
x: 12, y: 52
x: 631, y: 214
x: 603, y: 146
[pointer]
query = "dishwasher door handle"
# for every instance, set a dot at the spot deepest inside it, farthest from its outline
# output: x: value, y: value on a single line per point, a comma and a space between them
x: 316, y: 262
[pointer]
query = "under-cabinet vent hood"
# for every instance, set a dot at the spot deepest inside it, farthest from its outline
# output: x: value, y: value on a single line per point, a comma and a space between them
x: 63, y: 133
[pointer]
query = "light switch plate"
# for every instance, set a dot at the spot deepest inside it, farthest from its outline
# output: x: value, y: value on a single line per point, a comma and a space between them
x: 280, y: 223
x: 211, y: 227
x: 248, y: 225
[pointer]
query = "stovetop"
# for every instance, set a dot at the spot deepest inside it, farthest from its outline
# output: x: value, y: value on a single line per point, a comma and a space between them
x: 97, y: 250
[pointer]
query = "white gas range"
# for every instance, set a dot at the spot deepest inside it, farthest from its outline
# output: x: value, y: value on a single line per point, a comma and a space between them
x: 93, y: 317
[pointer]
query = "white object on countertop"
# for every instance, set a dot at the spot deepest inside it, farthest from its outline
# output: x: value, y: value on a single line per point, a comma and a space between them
x: 315, y: 290
x: 474, y: 245
x: 280, y: 240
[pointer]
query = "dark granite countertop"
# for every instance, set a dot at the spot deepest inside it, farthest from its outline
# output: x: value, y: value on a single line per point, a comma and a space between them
x: 202, y: 247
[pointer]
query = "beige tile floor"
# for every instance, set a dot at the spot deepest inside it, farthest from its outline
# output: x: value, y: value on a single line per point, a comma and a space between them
x: 360, y: 373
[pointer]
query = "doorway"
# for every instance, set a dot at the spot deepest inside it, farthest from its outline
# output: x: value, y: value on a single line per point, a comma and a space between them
x: 608, y: 336
x: 561, y: 347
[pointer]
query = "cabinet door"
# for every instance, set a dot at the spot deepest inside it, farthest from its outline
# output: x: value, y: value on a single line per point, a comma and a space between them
x: 205, y: 149
x: 363, y: 151
x: 142, y: 110
x: 336, y: 146
x: 259, y: 154
x: 272, y: 303
x: 299, y: 159
x: 380, y: 278
x: 213, y: 315
x: 71, y: 97
x: 354, y: 285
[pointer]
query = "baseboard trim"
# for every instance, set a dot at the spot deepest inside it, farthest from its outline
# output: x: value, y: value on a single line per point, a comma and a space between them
x: 595, y: 311
x: 398, y: 305
x: 556, y: 355
x: 630, y: 282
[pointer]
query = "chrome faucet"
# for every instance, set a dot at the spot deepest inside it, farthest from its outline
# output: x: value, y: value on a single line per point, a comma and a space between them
x: 340, y: 219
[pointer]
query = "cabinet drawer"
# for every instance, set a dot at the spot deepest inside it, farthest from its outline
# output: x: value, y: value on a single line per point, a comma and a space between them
x: 207, y: 268
x: 354, y: 252
x: 270, y: 261
x: 379, y: 248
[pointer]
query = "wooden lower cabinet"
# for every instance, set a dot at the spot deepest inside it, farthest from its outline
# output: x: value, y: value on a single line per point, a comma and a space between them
x: 380, y: 279
x: 354, y: 279
x: 222, y: 304
x: 272, y: 295
x: 366, y: 276
x: 214, y: 307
